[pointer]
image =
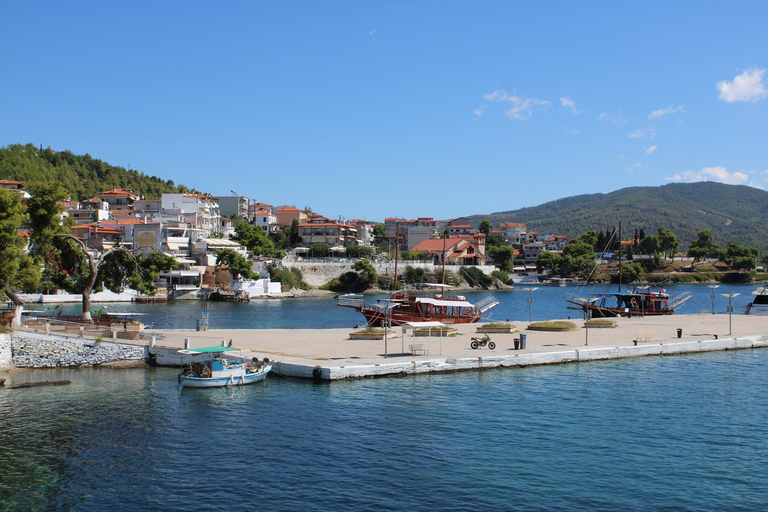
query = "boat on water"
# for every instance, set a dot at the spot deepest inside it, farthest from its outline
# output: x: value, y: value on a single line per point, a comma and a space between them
x: 418, y: 306
x: 759, y: 305
x: 218, y: 372
x: 637, y: 302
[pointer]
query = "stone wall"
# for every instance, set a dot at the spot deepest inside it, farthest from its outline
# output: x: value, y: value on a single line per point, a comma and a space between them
x: 318, y: 273
x: 34, y: 350
x: 5, y: 352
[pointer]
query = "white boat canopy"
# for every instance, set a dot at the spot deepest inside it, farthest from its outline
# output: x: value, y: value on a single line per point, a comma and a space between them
x: 445, y: 303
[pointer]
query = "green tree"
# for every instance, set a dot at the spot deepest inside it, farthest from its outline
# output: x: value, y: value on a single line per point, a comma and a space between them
x: 366, y: 271
x: 485, y: 227
x: 740, y: 257
x: 319, y: 250
x: 45, y: 210
x: 379, y: 231
x: 12, y: 216
x: 704, y: 247
x: 668, y: 242
x: 236, y: 264
x: 293, y: 233
x: 415, y: 275
x: 255, y: 239
x: 80, y: 270
x: 549, y: 260
x: 476, y: 277
x: 503, y: 256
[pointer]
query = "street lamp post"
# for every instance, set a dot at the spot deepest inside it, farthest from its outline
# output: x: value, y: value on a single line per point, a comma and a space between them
x: 530, y: 303
x: 713, y: 287
x: 730, y: 310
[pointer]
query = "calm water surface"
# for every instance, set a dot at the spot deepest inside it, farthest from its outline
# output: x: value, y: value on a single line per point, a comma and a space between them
x: 321, y: 312
x: 656, y: 433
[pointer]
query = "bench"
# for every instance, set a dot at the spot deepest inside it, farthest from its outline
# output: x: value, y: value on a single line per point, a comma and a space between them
x: 415, y: 349
x: 641, y: 336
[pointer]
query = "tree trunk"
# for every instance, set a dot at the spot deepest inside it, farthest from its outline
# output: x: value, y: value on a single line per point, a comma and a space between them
x: 89, y: 287
x: 18, y: 305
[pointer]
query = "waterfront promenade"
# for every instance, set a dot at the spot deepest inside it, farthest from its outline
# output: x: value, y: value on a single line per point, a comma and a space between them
x: 330, y: 354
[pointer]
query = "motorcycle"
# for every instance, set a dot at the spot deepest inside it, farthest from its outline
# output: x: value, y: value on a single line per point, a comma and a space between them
x: 481, y: 342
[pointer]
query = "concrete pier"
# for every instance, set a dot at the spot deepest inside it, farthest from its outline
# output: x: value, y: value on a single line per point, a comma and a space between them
x: 329, y: 354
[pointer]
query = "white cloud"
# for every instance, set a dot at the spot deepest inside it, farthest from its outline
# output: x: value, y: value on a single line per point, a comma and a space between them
x: 633, y: 167
x: 747, y: 86
x: 571, y: 132
x: 522, y: 107
x: 719, y: 174
x: 665, y: 111
x: 603, y: 116
x: 651, y: 149
x: 570, y: 104
x: 639, y: 134
x: 479, y: 111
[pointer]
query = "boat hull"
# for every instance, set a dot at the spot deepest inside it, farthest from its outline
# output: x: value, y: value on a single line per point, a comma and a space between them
x: 378, y: 318
x: 219, y: 379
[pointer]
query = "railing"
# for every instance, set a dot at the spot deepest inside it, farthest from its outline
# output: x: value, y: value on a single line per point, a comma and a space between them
x: 84, y: 329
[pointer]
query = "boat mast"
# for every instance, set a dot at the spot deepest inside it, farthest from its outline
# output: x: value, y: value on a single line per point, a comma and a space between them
x: 397, y: 254
x: 619, y: 256
x: 442, y: 281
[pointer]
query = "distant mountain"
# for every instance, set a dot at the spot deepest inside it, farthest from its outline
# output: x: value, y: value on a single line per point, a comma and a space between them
x: 82, y: 175
x: 734, y: 213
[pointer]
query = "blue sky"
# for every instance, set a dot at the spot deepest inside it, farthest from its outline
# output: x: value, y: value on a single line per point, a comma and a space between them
x: 374, y: 109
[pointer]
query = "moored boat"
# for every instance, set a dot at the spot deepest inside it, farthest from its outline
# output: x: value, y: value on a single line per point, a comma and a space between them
x: 628, y: 303
x: 219, y: 372
x: 413, y: 306
x: 759, y: 305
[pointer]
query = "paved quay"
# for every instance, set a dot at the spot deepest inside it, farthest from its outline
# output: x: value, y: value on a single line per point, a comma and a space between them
x: 329, y: 354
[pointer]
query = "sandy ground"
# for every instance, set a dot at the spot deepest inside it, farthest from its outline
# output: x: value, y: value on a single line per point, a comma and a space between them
x: 324, y: 346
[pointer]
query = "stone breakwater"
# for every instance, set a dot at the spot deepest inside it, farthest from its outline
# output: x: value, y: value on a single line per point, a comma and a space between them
x: 32, y: 350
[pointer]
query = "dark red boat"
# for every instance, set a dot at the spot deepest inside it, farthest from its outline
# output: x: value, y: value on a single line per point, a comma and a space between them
x: 411, y: 306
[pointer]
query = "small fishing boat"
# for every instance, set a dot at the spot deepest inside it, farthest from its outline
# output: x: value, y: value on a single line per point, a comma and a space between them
x: 759, y: 305
x: 218, y: 372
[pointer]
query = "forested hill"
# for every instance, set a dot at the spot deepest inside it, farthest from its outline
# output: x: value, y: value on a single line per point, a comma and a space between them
x: 82, y: 176
x: 733, y: 213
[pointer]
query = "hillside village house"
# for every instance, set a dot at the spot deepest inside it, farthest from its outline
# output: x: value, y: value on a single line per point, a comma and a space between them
x: 457, y: 250
x: 287, y: 214
x: 120, y: 198
x: 15, y: 186
x: 364, y: 231
x: 460, y: 227
x: 514, y: 232
x: 321, y: 230
x: 232, y: 205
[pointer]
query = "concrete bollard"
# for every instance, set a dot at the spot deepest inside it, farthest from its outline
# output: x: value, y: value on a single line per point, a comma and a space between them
x: 152, y: 341
x: 82, y: 331
x: 114, y: 335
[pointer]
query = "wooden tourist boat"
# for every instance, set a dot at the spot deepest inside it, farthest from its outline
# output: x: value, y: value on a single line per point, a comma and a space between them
x: 412, y: 306
x: 218, y: 372
x: 628, y: 303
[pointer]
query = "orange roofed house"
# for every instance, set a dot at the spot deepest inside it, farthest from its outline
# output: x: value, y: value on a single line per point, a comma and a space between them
x: 120, y: 198
x: 458, y: 250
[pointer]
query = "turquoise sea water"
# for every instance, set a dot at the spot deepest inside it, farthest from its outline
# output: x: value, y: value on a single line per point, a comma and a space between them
x: 655, y: 433
x: 321, y: 313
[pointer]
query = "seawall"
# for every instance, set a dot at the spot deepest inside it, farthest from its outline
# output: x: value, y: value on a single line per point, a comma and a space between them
x: 449, y: 364
x: 22, y: 349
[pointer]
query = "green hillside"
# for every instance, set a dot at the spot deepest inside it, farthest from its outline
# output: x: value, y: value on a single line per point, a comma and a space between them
x: 733, y: 213
x: 82, y: 176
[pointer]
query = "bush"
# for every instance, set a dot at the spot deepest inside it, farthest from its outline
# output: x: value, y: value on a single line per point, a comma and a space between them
x: 475, y: 276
